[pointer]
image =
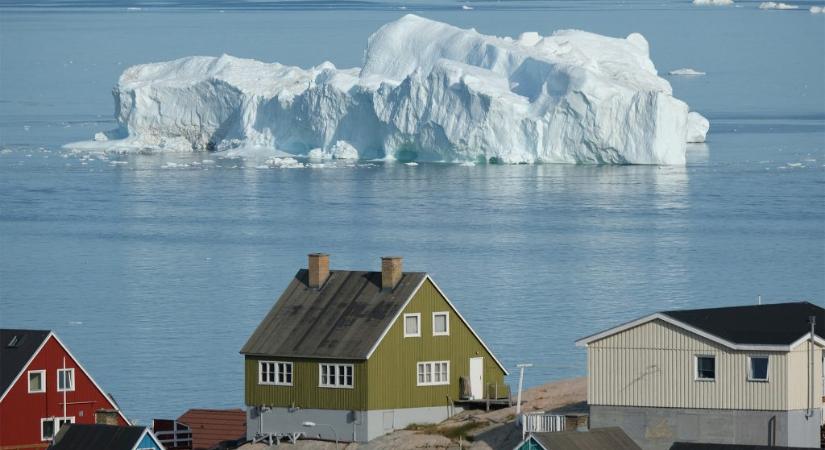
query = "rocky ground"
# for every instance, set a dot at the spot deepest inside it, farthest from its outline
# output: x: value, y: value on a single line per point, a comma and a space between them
x: 474, y: 429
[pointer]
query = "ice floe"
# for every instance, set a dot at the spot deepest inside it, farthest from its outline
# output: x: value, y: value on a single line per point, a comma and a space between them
x: 427, y: 91
x: 686, y: 72
x: 775, y: 5
x: 713, y: 2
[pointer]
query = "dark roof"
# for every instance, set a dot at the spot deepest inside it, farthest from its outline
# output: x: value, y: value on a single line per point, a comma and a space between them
x: 15, y: 355
x: 86, y: 437
x: 210, y: 427
x: 771, y: 324
x: 611, y: 438
x: 699, y: 446
x: 343, y: 319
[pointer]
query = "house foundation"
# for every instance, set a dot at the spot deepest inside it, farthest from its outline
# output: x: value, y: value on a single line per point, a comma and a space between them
x: 659, y: 428
x: 341, y: 425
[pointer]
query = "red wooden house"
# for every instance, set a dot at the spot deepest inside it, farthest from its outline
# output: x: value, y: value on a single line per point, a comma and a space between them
x: 44, y: 386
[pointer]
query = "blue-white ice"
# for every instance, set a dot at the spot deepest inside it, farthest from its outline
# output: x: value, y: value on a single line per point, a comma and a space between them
x: 427, y: 90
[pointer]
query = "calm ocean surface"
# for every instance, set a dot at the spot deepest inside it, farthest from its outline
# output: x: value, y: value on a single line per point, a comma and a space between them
x: 155, y: 269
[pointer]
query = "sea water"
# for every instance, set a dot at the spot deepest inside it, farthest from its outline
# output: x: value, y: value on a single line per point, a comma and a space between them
x: 154, y: 269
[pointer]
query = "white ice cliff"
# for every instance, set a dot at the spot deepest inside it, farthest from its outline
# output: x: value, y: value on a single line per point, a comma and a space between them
x: 427, y: 91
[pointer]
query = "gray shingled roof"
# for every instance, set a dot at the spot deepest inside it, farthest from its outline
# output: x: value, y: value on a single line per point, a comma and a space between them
x: 15, y: 355
x: 88, y: 437
x: 343, y: 319
x: 595, y: 439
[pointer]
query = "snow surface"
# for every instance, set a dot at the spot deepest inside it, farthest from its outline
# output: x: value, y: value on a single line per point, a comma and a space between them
x: 774, y: 5
x: 713, y: 2
x: 686, y: 72
x: 427, y: 91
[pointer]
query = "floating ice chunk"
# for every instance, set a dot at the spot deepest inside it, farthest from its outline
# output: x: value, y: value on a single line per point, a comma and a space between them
x: 817, y: 9
x: 134, y: 8
x: 466, y: 7
x: 775, y: 5
x: 713, y: 2
x: 101, y: 137
x: 687, y: 72
x: 411, y: 164
x: 343, y: 150
x: 427, y: 91
x: 697, y: 128
x: 283, y: 163
x: 5, y: 151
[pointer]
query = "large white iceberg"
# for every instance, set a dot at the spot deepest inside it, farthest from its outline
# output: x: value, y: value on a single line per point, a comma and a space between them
x: 427, y: 91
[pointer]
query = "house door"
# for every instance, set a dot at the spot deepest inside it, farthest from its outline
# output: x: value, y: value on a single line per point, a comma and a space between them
x: 477, y: 378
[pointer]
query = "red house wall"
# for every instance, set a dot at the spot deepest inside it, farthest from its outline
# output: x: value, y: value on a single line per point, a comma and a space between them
x: 20, y: 412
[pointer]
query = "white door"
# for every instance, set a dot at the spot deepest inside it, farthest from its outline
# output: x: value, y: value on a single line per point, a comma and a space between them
x: 477, y: 378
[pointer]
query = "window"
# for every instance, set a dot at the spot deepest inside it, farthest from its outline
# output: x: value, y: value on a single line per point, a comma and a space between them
x: 65, y: 380
x: 758, y: 368
x: 412, y: 325
x: 335, y: 375
x: 37, y: 381
x: 275, y: 372
x: 51, y: 425
x: 705, y: 368
x: 441, y: 324
x: 432, y: 373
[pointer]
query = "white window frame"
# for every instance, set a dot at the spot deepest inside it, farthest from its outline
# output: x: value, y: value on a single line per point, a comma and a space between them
x: 696, y: 376
x: 56, y: 428
x: 432, y: 367
x: 42, y: 381
x: 767, y: 369
x: 446, y: 315
x: 418, y: 319
x: 276, y: 371
x: 74, y: 381
x: 336, y: 377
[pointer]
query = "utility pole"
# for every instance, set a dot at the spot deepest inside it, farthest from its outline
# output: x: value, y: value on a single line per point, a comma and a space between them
x: 520, y: 384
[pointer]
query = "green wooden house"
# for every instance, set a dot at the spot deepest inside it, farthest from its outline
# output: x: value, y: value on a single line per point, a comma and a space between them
x: 610, y: 438
x: 352, y: 355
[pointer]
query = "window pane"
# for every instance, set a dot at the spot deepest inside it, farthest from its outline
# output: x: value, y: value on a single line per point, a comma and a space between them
x: 706, y: 367
x: 411, y: 325
x: 440, y: 323
x: 759, y: 368
x: 48, y: 429
x: 36, y: 381
x: 349, y: 375
x: 323, y: 374
x: 341, y: 376
x: 428, y: 372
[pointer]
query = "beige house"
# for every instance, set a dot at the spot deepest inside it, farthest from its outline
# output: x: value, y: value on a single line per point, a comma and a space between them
x: 737, y: 375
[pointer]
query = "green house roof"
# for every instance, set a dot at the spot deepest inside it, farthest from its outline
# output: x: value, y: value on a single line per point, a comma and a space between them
x: 344, y: 319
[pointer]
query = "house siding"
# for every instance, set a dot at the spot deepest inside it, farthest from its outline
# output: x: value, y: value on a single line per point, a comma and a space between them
x: 305, y: 392
x: 394, y: 362
x: 652, y: 365
x: 798, y: 370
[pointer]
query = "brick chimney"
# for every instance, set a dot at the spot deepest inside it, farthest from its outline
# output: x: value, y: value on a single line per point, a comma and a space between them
x: 390, y: 272
x: 318, y: 269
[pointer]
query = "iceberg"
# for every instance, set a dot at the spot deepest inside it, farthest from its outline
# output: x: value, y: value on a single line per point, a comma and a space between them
x: 713, y: 2
x: 698, y: 128
x: 817, y: 9
x: 686, y: 72
x: 427, y: 91
x: 775, y: 5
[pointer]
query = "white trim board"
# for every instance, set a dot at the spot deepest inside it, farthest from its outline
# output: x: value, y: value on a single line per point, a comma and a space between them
x: 458, y: 314
x: 585, y: 341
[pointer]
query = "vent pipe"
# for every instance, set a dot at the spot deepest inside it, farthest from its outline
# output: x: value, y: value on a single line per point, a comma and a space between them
x: 810, y: 411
